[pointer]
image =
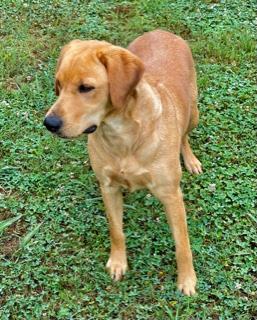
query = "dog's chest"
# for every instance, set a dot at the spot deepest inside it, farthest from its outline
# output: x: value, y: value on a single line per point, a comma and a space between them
x: 129, y: 174
x: 118, y: 136
x: 129, y: 155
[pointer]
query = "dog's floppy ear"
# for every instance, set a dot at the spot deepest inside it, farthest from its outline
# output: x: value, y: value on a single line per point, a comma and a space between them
x: 124, y: 72
x: 61, y: 56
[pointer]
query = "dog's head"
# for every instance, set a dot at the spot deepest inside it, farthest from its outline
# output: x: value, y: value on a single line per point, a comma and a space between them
x: 92, y: 77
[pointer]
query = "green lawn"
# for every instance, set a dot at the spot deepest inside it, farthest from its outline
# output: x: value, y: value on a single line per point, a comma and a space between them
x: 53, y: 230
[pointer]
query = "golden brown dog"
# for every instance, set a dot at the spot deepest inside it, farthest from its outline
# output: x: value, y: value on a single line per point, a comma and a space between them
x: 139, y: 105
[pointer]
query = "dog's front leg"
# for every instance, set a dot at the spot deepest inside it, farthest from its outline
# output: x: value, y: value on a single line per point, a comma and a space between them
x: 117, y: 263
x: 172, y: 200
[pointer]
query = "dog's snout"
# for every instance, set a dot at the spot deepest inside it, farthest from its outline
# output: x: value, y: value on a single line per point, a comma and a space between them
x: 53, y: 123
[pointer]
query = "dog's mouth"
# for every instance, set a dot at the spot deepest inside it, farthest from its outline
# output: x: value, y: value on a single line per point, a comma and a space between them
x: 91, y: 129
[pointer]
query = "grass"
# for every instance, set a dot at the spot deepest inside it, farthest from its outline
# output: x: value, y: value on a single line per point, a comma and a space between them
x: 53, y: 229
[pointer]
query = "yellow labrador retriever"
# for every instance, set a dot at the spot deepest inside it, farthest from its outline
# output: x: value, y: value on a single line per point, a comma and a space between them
x: 138, y: 104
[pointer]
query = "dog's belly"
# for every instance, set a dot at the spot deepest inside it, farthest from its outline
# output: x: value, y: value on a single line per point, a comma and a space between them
x: 128, y: 177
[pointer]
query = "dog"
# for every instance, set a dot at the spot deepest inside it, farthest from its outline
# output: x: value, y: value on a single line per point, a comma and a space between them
x: 138, y: 106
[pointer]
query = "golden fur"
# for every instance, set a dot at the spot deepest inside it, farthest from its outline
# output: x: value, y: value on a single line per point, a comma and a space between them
x: 142, y: 103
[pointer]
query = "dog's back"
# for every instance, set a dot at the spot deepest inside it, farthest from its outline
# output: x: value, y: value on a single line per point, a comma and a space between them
x: 168, y: 62
x: 163, y: 54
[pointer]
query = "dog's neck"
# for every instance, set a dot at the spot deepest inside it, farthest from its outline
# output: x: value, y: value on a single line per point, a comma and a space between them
x: 121, y: 128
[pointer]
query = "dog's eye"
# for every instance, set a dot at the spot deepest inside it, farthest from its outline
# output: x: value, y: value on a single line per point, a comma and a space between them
x: 85, y: 88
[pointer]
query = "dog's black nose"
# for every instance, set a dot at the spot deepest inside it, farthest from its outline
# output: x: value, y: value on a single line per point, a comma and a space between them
x: 53, y: 123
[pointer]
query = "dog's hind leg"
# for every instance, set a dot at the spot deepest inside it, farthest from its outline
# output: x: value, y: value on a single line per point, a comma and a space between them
x: 117, y: 263
x: 192, y: 164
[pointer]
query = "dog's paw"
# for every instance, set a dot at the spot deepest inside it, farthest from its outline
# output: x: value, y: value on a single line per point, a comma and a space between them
x: 117, y: 268
x: 187, y: 286
x: 193, y: 165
